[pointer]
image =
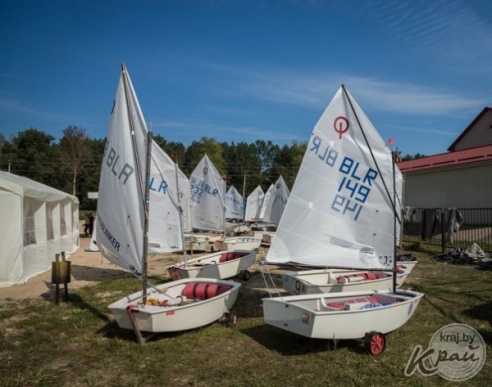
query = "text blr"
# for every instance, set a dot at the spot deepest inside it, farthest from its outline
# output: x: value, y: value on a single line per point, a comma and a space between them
x: 199, y: 187
x: 355, y: 180
x: 122, y: 171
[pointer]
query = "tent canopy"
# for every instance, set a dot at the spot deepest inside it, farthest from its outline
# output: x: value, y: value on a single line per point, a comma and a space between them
x: 37, y: 223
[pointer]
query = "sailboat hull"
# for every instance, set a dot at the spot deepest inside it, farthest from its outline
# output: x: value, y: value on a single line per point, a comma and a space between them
x: 339, y: 280
x: 197, y: 243
x: 160, y: 315
x: 220, y: 265
x: 244, y: 243
x: 319, y: 315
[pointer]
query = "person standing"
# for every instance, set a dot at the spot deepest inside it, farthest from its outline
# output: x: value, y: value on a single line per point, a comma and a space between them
x: 87, y: 223
x: 91, y: 224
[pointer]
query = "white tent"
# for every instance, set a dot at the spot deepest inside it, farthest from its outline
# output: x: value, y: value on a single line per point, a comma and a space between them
x: 37, y: 223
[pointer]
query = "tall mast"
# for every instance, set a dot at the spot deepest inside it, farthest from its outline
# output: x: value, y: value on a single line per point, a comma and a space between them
x: 180, y: 209
x: 146, y: 223
x: 143, y: 183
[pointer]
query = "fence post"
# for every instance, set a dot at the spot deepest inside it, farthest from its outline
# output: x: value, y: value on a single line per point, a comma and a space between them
x: 443, y: 232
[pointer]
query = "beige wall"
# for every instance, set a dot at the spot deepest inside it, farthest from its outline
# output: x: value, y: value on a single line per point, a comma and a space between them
x: 461, y: 187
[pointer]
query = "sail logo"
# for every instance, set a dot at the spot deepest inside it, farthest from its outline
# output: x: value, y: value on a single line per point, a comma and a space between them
x: 233, y: 200
x: 118, y: 169
x: 158, y: 187
x: 325, y: 153
x: 456, y: 352
x: 111, y: 239
x: 354, y: 188
x: 341, y: 126
x: 198, y: 189
x: 355, y: 183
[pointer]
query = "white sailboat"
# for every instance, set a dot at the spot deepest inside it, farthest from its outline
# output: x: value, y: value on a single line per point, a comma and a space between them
x: 207, y: 189
x: 339, y: 214
x: 124, y: 204
x: 234, y: 204
x: 272, y: 209
x: 254, y: 202
x: 274, y: 202
x: 234, y: 213
x: 327, y: 279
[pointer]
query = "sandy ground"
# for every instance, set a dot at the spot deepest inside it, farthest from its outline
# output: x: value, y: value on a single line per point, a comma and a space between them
x: 87, y: 268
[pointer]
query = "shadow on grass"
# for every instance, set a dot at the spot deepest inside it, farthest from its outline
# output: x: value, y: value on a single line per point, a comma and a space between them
x: 480, y: 312
x: 290, y: 344
x: 79, y: 302
x: 113, y: 331
x: 89, y: 273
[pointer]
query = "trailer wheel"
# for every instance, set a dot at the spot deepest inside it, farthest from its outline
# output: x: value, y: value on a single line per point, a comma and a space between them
x: 245, y: 275
x: 231, y: 320
x: 375, y: 343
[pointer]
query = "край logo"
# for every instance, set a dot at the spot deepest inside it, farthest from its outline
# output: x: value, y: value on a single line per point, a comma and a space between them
x: 456, y: 352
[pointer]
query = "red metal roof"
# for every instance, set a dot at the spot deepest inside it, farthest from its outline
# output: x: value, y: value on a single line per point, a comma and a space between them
x: 473, y: 155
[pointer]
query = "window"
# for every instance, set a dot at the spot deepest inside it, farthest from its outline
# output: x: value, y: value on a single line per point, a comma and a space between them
x: 29, y: 224
x: 63, y: 222
x: 50, y: 234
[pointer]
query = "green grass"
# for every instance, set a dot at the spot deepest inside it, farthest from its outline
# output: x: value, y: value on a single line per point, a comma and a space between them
x: 77, y: 343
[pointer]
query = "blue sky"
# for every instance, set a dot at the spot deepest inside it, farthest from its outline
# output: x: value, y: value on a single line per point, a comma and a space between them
x: 246, y: 70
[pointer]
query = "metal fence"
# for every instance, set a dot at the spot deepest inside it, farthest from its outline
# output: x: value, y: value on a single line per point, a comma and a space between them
x: 448, y: 228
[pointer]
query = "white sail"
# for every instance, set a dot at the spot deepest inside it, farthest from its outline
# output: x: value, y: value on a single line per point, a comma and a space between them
x: 254, y: 203
x: 340, y: 211
x: 207, y: 190
x: 165, y: 234
x: 266, y: 201
x: 121, y: 207
x: 274, y: 202
x: 158, y: 227
x: 234, y: 204
x: 184, y: 199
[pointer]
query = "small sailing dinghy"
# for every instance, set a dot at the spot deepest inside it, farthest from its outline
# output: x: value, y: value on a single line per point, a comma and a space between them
x: 371, y: 229
x: 254, y: 202
x: 124, y: 209
x: 207, y: 190
x: 340, y: 280
x: 346, y: 189
x: 222, y: 264
x: 272, y: 209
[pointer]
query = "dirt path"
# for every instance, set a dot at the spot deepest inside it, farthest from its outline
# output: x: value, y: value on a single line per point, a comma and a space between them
x: 88, y: 268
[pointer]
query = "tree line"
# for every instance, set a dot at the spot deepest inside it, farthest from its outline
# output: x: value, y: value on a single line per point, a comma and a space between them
x: 73, y: 164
